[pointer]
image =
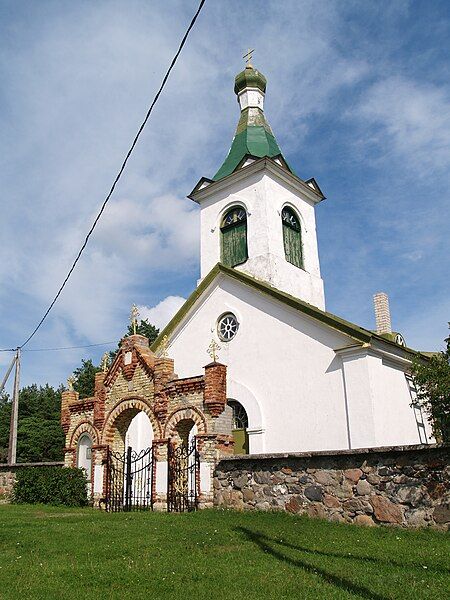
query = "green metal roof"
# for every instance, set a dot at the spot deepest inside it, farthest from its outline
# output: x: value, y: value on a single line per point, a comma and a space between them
x: 253, y: 135
x: 354, y: 331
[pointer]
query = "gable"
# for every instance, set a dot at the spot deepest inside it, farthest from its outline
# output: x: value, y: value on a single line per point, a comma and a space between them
x: 353, y: 332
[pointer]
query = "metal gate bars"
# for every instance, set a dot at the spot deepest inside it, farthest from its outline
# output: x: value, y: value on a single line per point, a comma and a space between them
x: 183, y: 477
x: 130, y: 478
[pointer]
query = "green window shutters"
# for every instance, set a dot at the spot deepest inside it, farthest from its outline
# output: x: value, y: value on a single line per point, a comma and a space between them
x: 292, y: 237
x: 234, y: 237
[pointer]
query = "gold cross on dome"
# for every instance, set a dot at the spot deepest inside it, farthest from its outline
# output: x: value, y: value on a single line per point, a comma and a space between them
x: 248, y: 57
x: 134, y: 317
x: 213, y: 348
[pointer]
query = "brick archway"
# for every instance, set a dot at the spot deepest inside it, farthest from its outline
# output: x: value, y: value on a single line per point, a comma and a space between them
x: 122, y: 413
x: 184, y: 414
x: 84, y: 427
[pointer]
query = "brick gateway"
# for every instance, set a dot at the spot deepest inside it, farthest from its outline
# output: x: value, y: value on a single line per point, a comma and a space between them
x: 177, y: 468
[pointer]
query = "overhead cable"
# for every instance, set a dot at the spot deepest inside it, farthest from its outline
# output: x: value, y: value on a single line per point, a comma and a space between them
x: 119, y: 174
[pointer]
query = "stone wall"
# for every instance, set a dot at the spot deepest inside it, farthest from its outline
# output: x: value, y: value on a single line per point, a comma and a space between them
x: 406, y: 485
x: 8, y: 477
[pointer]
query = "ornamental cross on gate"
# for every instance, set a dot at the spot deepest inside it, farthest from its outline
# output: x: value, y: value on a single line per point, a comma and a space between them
x: 163, y: 348
x: 104, y: 364
x: 134, y: 317
x: 213, y: 348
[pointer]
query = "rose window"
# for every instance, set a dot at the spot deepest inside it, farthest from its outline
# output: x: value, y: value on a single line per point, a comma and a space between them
x: 227, y: 327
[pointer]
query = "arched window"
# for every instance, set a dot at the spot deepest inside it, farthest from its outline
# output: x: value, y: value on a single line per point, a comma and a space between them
x: 84, y: 451
x: 234, y: 237
x: 292, y: 237
x: 239, y: 427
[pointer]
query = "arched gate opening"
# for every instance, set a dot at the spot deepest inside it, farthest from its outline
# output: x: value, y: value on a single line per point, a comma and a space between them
x: 131, y: 464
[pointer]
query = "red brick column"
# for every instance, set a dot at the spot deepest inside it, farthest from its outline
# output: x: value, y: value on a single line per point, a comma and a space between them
x: 215, y: 392
x: 67, y: 397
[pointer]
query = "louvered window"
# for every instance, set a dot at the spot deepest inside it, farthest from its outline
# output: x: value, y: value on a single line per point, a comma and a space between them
x: 234, y: 237
x: 292, y: 237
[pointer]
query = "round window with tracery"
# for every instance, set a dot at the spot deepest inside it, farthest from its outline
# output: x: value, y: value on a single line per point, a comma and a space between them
x: 227, y: 327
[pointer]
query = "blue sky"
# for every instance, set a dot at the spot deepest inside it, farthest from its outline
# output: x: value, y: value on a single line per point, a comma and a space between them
x: 358, y: 96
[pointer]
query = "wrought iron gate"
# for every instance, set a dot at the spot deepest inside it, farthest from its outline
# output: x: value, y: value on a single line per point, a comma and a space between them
x: 183, y: 477
x: 130, y: 480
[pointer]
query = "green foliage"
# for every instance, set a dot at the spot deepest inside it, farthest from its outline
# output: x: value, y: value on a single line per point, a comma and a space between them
x: 50, y: 485
x: 432, y: 380
x: 5, y: 417
x: 39, y: 434
x: 85, y: 378
x: 39, y: 440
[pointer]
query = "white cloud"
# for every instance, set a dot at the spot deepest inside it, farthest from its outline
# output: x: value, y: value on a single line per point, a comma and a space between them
x: 414, y: 118
x: 161, y: 314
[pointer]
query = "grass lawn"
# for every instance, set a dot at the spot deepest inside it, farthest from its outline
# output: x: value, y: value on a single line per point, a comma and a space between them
x: 58, y: 553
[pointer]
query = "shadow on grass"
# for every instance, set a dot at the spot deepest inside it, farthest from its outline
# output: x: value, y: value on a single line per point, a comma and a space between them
x: 369, y: 559
x: 265, y: 543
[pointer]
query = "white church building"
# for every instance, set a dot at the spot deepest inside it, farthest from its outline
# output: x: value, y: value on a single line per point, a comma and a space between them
x: 298, y: 377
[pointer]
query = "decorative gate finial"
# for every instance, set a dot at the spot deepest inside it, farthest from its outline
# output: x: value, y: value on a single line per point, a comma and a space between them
x: 213, y: 348
x: 70, y: 382
x: 104, y: 364
x: 134, y: 317
x: 163, y: 348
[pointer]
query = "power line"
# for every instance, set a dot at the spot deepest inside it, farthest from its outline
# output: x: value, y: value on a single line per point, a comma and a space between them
x: 119, y: 174
x: 69, y: 347
x: 60, y: 348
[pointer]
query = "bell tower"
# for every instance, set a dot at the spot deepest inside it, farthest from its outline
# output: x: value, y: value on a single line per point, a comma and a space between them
x: 256, y: 214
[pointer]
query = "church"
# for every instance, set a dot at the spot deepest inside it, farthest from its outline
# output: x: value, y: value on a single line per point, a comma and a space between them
x: 298, y: 377
x: 252, y: 363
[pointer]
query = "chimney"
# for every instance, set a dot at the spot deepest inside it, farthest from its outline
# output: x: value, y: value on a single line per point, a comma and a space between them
x: 382, y: 313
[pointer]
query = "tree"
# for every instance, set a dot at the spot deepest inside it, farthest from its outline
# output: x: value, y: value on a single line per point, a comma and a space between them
x: 85, y: 378
x: 5, y: 418
x: 39, y: 434
x: 432, y: 380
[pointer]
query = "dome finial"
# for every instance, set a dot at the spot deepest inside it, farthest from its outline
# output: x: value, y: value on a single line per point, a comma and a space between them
x: 248, y: 57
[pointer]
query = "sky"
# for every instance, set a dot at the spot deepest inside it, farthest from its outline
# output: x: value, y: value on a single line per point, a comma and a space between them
x: 358, y: 97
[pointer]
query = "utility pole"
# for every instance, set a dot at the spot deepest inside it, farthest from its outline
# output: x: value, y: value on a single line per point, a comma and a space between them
x: 12, y: 448
x: 5, y: 378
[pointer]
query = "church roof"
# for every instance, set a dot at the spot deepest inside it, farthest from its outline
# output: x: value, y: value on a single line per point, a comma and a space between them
x: 250, y: 165
x: 253, y: 136
x: 359, y: 334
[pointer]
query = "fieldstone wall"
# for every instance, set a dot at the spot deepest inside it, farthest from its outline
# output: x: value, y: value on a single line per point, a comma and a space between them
x: 407, y: 485
x: 8, y: 477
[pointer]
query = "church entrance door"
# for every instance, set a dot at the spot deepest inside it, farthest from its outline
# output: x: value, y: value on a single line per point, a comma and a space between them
x: 130, y: 477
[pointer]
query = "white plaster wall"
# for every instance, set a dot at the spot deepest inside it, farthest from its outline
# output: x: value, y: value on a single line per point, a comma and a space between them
x: 378, y: 401
x: 359, y: 400
x: 395, y: 419
x: 281, y: 367
x: 264, y: 195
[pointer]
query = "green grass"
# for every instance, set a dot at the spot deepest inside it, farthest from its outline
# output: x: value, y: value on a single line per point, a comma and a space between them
x: 57, y: 553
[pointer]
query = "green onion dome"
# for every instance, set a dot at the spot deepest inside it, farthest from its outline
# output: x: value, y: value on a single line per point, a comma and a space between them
x: 249, y: 77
